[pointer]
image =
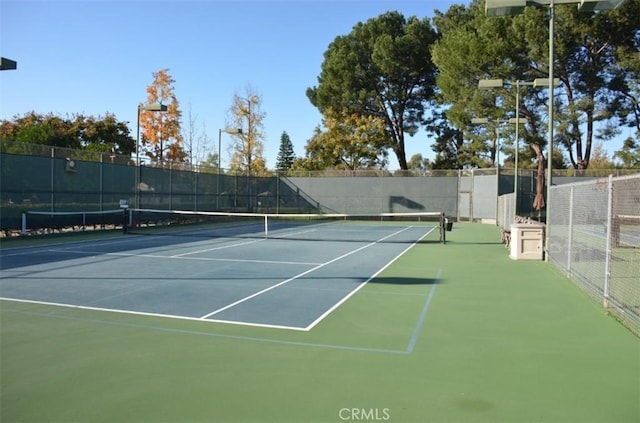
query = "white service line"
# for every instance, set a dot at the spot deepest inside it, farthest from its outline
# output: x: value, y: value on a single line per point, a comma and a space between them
x: 313, y: 269
x: 20, y: 251
x: 240, y: 244
x: 188, y: 258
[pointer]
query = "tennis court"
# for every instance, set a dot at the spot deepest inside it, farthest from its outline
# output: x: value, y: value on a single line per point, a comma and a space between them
x: 376, y: 321
x: 236, y: 272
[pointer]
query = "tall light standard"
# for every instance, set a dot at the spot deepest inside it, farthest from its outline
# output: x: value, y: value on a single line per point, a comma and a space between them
x: 485, y: 121
x: 152, y: 107
x: 249, y: 149
x: 499, y: 83
x: 514, y: 7
x: 230, y: 131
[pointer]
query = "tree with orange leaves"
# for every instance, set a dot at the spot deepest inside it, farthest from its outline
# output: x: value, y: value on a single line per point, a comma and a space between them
x: 161, y: 135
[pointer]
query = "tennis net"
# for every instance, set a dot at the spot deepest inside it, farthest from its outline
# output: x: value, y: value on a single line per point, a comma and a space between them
x: 626, y: 231
x: 321, y: 227
x: 38, y: 222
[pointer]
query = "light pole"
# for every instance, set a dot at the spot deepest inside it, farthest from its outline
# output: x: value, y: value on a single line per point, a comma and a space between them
x: 230, y: 131
x: 249, y: 149
x: 484, y: 121
x: 514, y: 7
x: 499, y: 83
x: 152, y: 107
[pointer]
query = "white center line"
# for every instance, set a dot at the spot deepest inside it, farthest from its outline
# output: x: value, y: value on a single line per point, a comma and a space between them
x: 313, y: 269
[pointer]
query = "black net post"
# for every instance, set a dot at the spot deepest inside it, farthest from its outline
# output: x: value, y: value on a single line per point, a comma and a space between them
x: 125, y: 220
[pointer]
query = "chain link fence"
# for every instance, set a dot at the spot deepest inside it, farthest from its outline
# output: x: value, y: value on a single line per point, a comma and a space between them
x: 594, y: 237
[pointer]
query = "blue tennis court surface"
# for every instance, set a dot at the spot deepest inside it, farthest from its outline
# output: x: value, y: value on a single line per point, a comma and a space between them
x: 283, y: 281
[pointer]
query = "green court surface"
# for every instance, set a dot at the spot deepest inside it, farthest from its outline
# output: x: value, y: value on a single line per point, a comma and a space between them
x: 447, y: 333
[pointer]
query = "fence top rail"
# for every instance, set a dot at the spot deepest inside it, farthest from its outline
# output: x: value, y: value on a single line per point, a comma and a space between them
x: 23, y: 148
x: 600, y: 180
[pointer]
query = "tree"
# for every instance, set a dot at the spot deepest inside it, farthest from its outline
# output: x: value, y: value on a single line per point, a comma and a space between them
x: 452, y: 152
x: 596, y: 82
x: 629, y: 154
x: 79, y: 132
x: 419, y: 163
x: 351, y: 142
x: 46, y: 129
x: 515, y: 48
x: 161, y: 136
x: 382, y: 69
x: 209, y: 164
x: 195, y: 140
x: 600, y: 159
x: 246, y: 113
x: 286, y: 155
x: 105, y: 134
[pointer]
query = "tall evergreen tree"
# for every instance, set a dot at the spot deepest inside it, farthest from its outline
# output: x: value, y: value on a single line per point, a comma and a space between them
x: 286, y: 155
x: 381, y: 69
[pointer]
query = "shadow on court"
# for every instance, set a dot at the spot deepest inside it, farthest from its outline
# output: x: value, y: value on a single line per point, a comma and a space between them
x: 405, y: 281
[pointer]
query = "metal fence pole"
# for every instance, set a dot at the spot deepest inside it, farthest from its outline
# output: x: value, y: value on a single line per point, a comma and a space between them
x: 570, y: 237
x: 607, y: 263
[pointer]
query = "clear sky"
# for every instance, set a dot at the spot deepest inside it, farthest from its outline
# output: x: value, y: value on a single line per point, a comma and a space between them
x: 97, y: 56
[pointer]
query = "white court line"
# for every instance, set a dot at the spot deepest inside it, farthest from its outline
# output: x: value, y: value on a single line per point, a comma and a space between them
x: 242, y: 300
x: 20, y: 251
x: 339, y: 303
x: 187, y: 258
x: 205, y: 318
x: 243, y: 323
x: 143, y: 313
x: 222, y: 247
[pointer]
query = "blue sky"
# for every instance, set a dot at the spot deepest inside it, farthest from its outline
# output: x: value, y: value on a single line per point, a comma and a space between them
x: 95, y: 57
x: 98, y: 56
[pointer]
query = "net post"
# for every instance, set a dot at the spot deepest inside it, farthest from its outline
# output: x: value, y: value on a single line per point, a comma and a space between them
x: 23, y: 226
x: 443, y: 228
x: 266, y: 226
x: 125, y: 220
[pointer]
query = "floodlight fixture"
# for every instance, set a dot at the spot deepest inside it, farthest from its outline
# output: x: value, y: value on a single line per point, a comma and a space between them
x: 486, y: 84
x: 8, y: 64
x: 154, y: 107
x: 515, y: 7
x: 597, y: 6
x: 544, y: 82
x: 504, y: 7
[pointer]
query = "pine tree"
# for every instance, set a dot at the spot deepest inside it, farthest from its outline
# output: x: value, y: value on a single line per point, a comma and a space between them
x: 286, y: 155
